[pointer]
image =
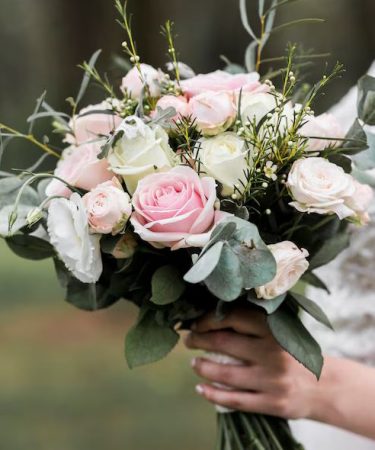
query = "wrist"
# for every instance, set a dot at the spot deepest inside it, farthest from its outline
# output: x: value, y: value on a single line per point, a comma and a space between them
x: 325, y: 397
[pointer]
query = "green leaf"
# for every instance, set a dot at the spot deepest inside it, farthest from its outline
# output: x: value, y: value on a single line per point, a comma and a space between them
x: 355, y: 139
x: 291, y: 334
x: 341, y: 161
x: 296, y: 22
x: 5, y: 212
x: 38, y: 105
x: 250, y: 56
x: 258, y: 266
x: 314, y: 280
x: 270, y: 306
x: 84, y: 296
x: 167, y: 285
x: 311, y: 308
x: 222, y: 232
x: 148, y: 341
x: 330, y: 250
x: 225, y: 282
x: 30, y: 247
x: 260, y: 7
x: 366, y: 160
x: 205, y: 264
x: 366, y: 99
x: 87, y: 77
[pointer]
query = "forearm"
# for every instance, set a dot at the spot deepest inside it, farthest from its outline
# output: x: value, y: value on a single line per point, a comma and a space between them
x: 345, y: 397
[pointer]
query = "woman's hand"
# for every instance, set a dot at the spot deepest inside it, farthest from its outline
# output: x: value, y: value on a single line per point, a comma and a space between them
x: 271, y: 382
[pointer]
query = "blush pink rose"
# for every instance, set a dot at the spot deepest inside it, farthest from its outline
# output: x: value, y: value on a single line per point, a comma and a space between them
x: 108, y: 207
x: 180, y: 104
x: 360, y: 202
x: 92, y: 124
x: 175, y: 209
x: 222, y: 81
x: 80, y: 167
x: 319, y: 128
x: 214, y: 112
x: 132, y: 83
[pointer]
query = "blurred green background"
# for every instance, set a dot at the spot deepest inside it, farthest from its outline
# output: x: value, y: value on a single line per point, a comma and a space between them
x: 63, y: 379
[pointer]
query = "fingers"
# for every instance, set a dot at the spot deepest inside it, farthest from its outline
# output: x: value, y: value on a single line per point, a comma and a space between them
x: 248, y: 321
x: 242, y: 401
x: 247, y: 378
x: 245, y: 348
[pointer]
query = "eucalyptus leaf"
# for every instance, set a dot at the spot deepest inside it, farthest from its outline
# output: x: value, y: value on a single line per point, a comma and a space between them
x: 293, y: 337
x: 225, y: 282
x: 366, y: 159
x: 356, y: 139
x: 250, y: 56
x: 9, y: 188
x: 22, y: 212
x: 164, y: 116
x: 205, y: 264
x: 167, y: 285
x: 330, y: 250
x: 342, y: 161
x: 311, y: 308
x: 38, y: 105
x: 87, y: 77
x: 245, y: 19
x: 258, y: 266
x: 366, y: 99
x: 270, y: 306
x: 30, y: 247
x: 148, y: 341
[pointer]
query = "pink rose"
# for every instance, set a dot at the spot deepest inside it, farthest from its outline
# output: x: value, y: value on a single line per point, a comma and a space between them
x: 175, y: 209
x: 180, y: 104
x: 320, y: 127
x: 360, y: 202
x: 132, y: 83
x: 89, y: 125
x: 214, y: 112
x: 221, y: 81
x: 81, y: 168
x: 108, y: 207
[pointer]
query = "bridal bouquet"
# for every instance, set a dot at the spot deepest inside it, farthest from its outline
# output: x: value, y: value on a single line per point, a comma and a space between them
x: 187, y: 193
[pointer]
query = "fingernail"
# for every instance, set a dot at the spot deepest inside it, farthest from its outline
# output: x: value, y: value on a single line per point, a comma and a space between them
x: 199, y: 389
x: 193, y: 362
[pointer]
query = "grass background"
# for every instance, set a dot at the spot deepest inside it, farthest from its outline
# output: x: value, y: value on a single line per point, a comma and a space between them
x: 64, y: 383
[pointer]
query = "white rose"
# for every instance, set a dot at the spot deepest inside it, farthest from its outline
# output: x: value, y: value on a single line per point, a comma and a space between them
x: 291, y: 265
x: 224, y: 157
x: 214, y: 112
x: 321, y: 127
x: 69, y: 233
x: 318, y: 186
x: 132, y: 83
x: 257, y: 106
x: 141, y: 151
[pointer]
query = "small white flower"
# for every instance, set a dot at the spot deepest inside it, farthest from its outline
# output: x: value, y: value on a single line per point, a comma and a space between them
x: 69, y: 232
x: 270, y: 170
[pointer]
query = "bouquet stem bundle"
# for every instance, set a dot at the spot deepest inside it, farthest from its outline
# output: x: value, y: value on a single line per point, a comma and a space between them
x: 245, y: 431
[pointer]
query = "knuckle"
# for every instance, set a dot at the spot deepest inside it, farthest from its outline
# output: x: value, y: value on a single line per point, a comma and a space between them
x: 282, y: 407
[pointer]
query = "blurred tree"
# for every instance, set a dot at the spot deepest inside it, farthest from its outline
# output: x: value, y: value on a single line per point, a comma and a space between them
x: 43, y: 41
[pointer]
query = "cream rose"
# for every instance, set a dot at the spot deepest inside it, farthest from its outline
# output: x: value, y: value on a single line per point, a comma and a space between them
x: 257, y: 106
x: 214, y: 112
x: 221, y: 81
x: 224, y: 157
x: 321, y: 127
x: 69, y: 233
x: 175, y: 209
x: 108, y: 207
x: 360, y: 202
x: 318, y: 186
x: 80, y: 167
x: 140, y: 151
x: 91, y: 124
x: 132, y: 83
x: 291, y: 265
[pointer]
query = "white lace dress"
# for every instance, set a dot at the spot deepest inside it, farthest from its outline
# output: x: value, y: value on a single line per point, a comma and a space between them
x: 351, y: 308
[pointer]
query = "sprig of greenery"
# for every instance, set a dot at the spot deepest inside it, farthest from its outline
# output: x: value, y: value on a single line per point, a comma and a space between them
x: 103, y: 81
x: 167, y: 32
